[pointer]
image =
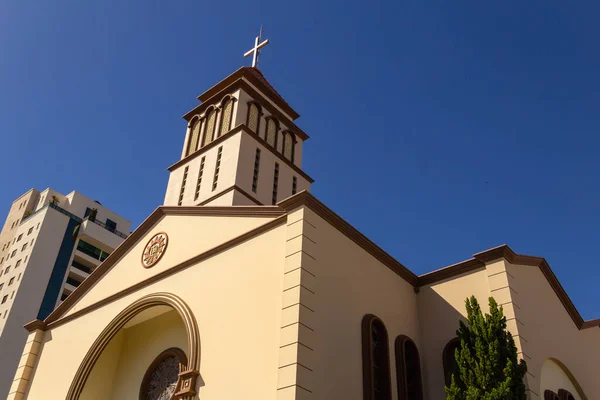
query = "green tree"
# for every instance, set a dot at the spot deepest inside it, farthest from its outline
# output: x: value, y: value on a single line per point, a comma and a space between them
x: 487, y: 359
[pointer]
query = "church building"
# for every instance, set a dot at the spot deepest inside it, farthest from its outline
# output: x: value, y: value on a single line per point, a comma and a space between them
x: 243, y: 285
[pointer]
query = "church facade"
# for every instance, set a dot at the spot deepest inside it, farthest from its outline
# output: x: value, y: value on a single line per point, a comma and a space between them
x: 245, y: 286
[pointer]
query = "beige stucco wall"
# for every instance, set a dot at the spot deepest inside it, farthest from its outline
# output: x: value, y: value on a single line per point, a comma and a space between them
x: 227, y: 172
x: 188, y: 237
x: 551, y: 333
x: 440, y: 306
x: 142, y: 344
x: 102, y: 378
x: 348, y: 283
x: 235, y: 297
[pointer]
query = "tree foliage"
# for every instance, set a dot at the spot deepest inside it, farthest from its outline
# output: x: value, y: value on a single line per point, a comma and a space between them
x: 487, y: 359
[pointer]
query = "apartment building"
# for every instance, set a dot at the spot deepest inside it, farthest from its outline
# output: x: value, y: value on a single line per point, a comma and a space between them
x: 49, y: 244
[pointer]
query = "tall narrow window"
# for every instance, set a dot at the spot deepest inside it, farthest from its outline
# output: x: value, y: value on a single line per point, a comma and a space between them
x: 226, y: 115
x: 183, y: 182
x: 408, y: 370
x: 217, y: 168
x: 376, y: 360
x: 294, y: 185
x: 275, y: 183
x: 449, y: 361
x: 253, y: 117
x: 272, y: 132
x: 256, y: 168
x: 194, y: 135
x: 199, y: 182
x: 210, y: 127
x: 289, y: 145
x: 564, y: 394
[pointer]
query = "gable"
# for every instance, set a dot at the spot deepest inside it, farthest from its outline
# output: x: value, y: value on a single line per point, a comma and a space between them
x: 188, y: 236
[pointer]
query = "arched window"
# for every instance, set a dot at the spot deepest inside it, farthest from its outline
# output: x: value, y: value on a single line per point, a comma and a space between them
x: 226, y: 115
x: 408, y: 369
x: 194, y: 135
x: 289, y: 145
x: 564, y: 394
x: 550, y: 395
x: 160, y: 380
x: 271, y: 137
x: 449, y: 361
x: 210, y: 127
x: 376, y: 360
x: 253, y: 121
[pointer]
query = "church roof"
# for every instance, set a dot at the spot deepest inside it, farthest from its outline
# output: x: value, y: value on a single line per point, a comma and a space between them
x: 255, y: 76
x: 278, y: 216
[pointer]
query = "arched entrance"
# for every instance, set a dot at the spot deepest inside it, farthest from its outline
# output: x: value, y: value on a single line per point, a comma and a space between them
x: 186, y: 382
x: 557, y: 381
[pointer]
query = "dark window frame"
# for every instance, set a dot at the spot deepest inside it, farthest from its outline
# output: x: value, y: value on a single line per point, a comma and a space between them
x: 383, y: 370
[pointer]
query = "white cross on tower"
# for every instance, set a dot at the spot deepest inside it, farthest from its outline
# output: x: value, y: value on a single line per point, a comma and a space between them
x: 256, y: 50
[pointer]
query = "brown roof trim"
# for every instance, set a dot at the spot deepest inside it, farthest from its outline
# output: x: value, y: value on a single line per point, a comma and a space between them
x: 307, y: 199
x: 505, y: 252
x: 241, y: 128
x: 35, y: 325
x: 264, y: 103
x: 225, y: 211
x: 257, y: 79
x: 54, y: 320
x: 450, y: 272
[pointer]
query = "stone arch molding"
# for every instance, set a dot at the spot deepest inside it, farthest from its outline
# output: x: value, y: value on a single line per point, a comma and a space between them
x: 186, y: 384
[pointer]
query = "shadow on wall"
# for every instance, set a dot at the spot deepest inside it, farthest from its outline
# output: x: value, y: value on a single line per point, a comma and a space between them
x: 438, y: 325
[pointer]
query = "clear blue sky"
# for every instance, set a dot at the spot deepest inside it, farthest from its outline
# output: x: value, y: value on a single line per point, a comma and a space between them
x: 438, y: 128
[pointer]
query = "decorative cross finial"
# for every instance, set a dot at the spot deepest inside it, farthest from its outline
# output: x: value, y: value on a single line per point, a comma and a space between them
x: 255, y: 52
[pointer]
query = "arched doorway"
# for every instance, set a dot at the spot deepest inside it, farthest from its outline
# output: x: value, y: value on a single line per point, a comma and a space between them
x: 158, y: 318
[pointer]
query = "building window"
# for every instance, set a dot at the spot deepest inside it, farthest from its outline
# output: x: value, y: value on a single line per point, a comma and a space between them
x: 20, y: 237
x: 5, y: 312
x: 19, y: 277
x: 17, y: 264
x: 38, y: 226
x: 275, y: 184
x: 7, y: 270
x: 13, y: 253
x: 210, y: 127
x: 449, y: 361
x: 550, y: 395
x: 29, y: 231
x: 4, y: 299
x: 63, y: 297
x: 11, y: 281
x: 183, y: 182
x: 12, y: 295
x: 217, y: 168
x: 253, y: 117
x: 87, y: 212
x: 565, y: 395
x: 24, y: 247
x: 408, y: 370
x: 92, y: 250
x: 32, y: 240
x: 226, y: 116
x: 111, y: 225
x: 271, y: 137
x: 289, y: 145
x: 194, y: 135
x: 25, y: 259
x: 199, y: 182
x: 256, y: 167
x: 73, y: 282
x: 376, y: 360
x: 1, y: 286
x: 294, y: 185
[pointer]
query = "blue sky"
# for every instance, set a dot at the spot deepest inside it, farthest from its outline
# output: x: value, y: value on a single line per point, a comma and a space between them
x: 438, y: 128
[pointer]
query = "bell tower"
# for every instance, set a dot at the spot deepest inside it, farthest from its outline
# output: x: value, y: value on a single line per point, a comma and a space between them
x: 241, y: 147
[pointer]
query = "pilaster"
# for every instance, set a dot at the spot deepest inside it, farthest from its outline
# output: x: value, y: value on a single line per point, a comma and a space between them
x: 296, y: 352
x: 26, y: 365
x: 503, y: 288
